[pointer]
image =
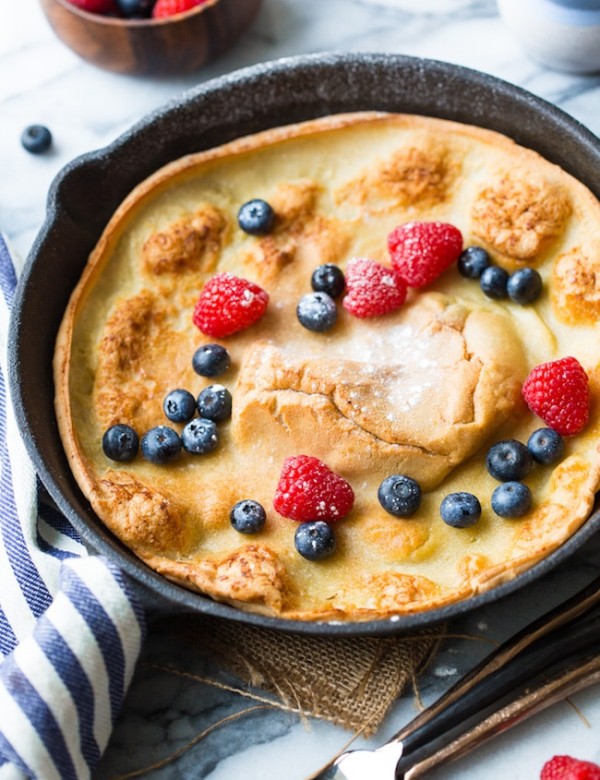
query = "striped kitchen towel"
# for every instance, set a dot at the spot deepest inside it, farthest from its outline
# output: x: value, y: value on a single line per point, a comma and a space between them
x: 71, y: 626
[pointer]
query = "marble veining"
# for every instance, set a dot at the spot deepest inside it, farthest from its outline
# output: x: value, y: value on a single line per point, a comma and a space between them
x: 42, y: 81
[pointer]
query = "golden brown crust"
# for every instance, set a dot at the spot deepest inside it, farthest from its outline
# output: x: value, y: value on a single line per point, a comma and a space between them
x: 424, y: 390
x: 413, y: 175
x: 520, y: 218
x: 576, y: 285
x: 189, y: 245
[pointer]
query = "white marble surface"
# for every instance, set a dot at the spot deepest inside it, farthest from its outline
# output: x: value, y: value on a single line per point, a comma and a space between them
x: 41, y: 81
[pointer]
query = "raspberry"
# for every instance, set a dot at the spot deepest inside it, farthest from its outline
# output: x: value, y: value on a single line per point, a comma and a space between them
x: 309, y: 490
x: 171, y: 7
x: 567, y: 768
x: 558, y: 393
x: 372, y: 289
x: 421, y: 251
x: 95, y: 6
x: 228, y: 304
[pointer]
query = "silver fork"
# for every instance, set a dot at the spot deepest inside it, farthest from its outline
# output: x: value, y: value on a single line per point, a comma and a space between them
x: 535, y: 668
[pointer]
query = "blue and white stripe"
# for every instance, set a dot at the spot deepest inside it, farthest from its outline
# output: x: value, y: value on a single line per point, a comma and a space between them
x: 71, y: 627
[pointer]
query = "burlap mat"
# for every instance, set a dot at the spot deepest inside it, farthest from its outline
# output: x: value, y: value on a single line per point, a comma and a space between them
x: 352, y: 682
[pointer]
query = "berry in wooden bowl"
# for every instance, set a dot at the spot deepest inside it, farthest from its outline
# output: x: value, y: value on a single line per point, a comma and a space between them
x: 149, y: 37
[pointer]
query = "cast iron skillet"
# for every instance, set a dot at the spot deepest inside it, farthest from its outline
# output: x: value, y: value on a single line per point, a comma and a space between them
x: 86, y: 192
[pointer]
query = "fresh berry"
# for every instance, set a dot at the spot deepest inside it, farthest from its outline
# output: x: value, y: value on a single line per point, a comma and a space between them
x: 567, y: 768
x: 421, y: 251
x: 546, y: 446
x: 135, y: 9
x: 120, y: 442
x: 95, y: 6
x: 372, y: 289
x: 315, y: 540
x: 509, y: 460
x: 248, y: 516
x: 399, y: 495
x: 511, y: 499
x: 36, y: 139
x: 179, y: 405
x: 309, y: 490
x: 524, y: 286
x: 558, y: 392
x: 493, y: 281
x: 329, y: 279
x: 214, y: 403
x: 160, y: 445
x: 211, y: 360
x: 473, y: 262
x: 317, y: 311
x: 460, y: 510
x: 228, y: 304
x: 199, y: 436
x: 256, y: 217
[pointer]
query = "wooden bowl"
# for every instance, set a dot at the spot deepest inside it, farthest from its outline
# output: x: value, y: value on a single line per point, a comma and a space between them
x: 157, y: 47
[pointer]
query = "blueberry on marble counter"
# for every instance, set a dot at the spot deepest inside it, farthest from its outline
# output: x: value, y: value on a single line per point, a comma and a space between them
x: 36, y: 139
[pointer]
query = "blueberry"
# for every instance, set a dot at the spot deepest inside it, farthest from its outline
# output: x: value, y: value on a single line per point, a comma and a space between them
x: 120, y: 442
x: 317, y: 311
x: 199, y: 436
x: 329, y: 279
x: 256, y: 217
x: 179, y: 406
x: 473, y: 262
x: 509, y: 460
x: 314, y: 540
x: 493, y: 282
x: 545, y: 445
x: 36, y: 139
x: 511, y: 499
x: 460, y: 510
x: 214, y: 403
x: 399, y: 495
x: 136, y: 9
x: 524, y: 286
x: 211, y: 360
x: 248, y: 516
x: 160, y: 445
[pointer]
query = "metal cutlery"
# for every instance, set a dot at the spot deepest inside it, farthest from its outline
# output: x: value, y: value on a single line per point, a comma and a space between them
x: 539, y: 665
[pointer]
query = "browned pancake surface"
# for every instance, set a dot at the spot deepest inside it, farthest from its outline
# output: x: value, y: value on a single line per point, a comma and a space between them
x: 422, y: 391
